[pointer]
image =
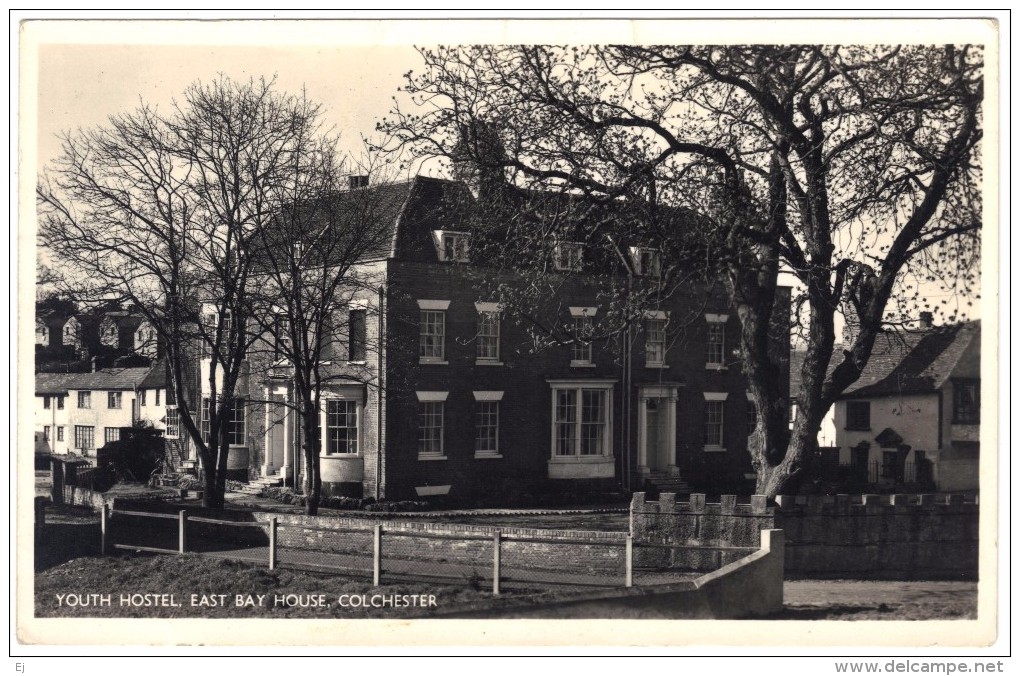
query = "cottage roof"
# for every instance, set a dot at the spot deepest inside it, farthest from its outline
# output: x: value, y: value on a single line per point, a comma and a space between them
x: 914, y: 362
x: 904, y: 362
x: 109, y: 379
x: 53, y: 383
x: 156, y: 378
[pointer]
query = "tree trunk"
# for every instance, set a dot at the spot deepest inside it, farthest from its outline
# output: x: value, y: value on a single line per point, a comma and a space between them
x: 310, y: 447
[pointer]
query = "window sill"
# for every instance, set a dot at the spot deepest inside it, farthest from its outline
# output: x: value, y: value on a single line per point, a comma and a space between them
x: 656, y: 366
x: 432, y: 362
x: 486, y: 456
x: 576, y: 364
x: 715, y: 367
x: 357, y: 362
x: 426, y: 458
x: 488, y: 362
x: 573, y: 459
x: 352, y: 456
x: 714, y: 449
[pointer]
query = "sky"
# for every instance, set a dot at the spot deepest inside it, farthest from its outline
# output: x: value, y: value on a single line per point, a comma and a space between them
x: 82, y: 85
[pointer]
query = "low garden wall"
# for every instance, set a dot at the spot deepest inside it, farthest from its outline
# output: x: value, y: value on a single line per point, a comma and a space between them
x: 602, y: 554
x: 864, y: 536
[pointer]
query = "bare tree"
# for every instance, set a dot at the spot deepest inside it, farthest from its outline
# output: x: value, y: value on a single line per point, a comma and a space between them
x: 163, y: 210
x: 855, y: 168
x: 312, y: 270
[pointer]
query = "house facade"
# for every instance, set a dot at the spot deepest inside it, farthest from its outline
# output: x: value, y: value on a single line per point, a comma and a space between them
x: 914, y: 415
x: 80, y: 412
x: 433, y: 388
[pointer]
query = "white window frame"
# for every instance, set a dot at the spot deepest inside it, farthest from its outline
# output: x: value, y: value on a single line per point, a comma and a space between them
x: 439, y: 307
x: 581, y: 352
x: 231, y: 433
x: 656, y: 316
x: 461, y: 246
x: 638, y: 255
x: 487, y: 398
x: 142, y: 397
x: 716, y: 322
x: 79, y: 432
x: 85, y: 396
x: 568, y: 256
x: 427, y: 399
x: 111, y: 434
x: 711, y: 400
x: 493, y: 312
x: 579, y: 387
x: 325, y: 426
x: 60, y: 432
x: 173, y: 422
x: 115, y: 397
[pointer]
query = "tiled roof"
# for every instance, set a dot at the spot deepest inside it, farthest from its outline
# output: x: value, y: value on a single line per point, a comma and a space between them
x: 914, y: 362
x: 53, y: 383
x: 156, y: 378
x: 103, y: 379
x: 903, y: 362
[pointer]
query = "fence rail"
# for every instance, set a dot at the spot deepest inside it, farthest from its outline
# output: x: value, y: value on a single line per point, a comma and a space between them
x: 391, y: 553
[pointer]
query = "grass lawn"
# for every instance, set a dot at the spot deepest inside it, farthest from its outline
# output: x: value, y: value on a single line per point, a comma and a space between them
x: 209, y: 588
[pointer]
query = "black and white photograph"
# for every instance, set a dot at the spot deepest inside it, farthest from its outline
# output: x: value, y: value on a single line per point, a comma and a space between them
x: 688, y: 327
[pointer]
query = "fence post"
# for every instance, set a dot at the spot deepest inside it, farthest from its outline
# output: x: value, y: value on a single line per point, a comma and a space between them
x: 272, y: 543
x: 628, y: 553
x: 182, y: 520
x: 104, y: 525
x: 495, y: 562
x: 376, y: 554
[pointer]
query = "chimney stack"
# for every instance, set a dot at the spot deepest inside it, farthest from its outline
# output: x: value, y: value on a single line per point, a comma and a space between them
x: 358, y: 181
x: 95, y: 360
x: 926, y: 320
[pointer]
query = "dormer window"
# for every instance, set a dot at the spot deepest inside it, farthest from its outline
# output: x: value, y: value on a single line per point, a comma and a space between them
x: 647, y: 262
x: 452, y: 246
x: 567, y: 256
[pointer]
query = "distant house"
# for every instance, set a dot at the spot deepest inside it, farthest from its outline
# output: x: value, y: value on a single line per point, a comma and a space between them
x: 117, y: 329
x: 914, y: 415
x: 80, y: 412
x: 51, y: 412
x: 80, y: 332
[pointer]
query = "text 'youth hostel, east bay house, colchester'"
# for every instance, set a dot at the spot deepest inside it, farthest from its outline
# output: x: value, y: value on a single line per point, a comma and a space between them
x: 437, y: 390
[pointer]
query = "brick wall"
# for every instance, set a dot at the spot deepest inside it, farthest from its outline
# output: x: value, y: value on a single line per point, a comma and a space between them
x: 871, y: 536
x: 525, y: 411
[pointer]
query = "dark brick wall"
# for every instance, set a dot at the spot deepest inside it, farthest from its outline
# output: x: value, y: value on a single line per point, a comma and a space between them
x: 525, y: 411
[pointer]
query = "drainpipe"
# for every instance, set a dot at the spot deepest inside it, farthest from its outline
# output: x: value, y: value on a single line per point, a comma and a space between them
x: 378, y: 397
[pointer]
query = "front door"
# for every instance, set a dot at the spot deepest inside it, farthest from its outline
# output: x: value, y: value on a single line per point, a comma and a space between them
x: 657, y: 430
x: 655, y: 436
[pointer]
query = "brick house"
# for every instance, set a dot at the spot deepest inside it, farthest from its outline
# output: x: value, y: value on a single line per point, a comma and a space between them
x: 434, y: 390
x: 914, y: 414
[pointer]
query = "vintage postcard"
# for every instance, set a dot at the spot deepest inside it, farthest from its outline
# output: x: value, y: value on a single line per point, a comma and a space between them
x: 442, y: 332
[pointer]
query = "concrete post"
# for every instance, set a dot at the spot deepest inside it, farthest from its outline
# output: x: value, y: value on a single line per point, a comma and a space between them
x: 495, y: 563
x: 272, y: 543
x: 376, y: 554
x: 628, y: 580
x: 104, y: 525
x: 774, y: 540
x: 182, y: 527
